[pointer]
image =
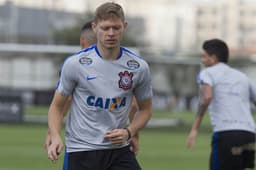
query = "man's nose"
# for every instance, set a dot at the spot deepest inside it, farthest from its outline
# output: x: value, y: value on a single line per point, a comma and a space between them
x: 111, y: 32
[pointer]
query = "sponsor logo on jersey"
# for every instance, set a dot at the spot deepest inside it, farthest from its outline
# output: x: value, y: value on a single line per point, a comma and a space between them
x: 85, y: 60
x: 125, y: 81
x: 133, y: 64
x: 106, y: 103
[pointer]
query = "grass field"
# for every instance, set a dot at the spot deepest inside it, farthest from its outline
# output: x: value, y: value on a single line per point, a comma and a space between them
x: 21, y: 148
x: 21, y: 145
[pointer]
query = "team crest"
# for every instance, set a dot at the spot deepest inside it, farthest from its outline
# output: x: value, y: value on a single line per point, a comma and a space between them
x: 133, y: 64
x: 125, y: 81
x: 85, y: 60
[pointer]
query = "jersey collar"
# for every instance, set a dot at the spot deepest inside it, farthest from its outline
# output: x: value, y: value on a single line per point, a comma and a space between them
x: 119, y: 56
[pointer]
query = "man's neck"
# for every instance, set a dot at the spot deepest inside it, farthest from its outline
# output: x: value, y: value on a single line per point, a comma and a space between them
x: 109, y: 53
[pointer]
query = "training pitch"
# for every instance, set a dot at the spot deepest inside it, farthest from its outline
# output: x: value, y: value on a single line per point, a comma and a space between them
x: 21, y: 148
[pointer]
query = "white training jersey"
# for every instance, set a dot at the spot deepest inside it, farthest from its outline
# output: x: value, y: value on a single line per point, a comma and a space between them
x: 102, y: 92
x: 232, y: 93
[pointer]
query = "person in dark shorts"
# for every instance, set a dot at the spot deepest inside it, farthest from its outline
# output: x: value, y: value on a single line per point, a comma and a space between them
x: 102, y: 81
x: 87, y: 39
x: 228, y: 93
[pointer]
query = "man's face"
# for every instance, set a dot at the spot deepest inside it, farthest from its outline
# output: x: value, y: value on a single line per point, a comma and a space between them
x: 109, y: 32
x: 208, y: 60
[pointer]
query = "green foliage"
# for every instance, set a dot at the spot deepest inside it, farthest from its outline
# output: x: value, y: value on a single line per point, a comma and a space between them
x: 67, y: 36
x: 71, y: 36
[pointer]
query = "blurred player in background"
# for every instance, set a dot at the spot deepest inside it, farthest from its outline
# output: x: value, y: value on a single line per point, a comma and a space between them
x: 102, y: 80
x: 88, y: 38
x: 228, y: 93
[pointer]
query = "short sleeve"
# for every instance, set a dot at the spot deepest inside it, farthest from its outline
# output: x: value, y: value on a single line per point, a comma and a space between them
x: 68, y: 78
x: 143, y: 90
x: 204, y: 77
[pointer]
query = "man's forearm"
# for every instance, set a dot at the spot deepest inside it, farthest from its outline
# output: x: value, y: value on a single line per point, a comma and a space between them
x: 200, y: 114
x: 140, y: 120
x: 55, y: 114
x: 54, y: 122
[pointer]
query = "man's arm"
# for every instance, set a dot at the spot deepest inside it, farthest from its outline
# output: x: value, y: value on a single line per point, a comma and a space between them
x: 67, y: 106
x: 134, y: 109
x: 118, y: 136
x: 205, y: 97
x: 55, y: 118
x: 142, y: 117
x: 135, y: 139
x: 48, y: 135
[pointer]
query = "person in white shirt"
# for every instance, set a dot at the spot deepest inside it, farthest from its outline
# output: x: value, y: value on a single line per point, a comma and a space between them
x: 228, y: 93
x: 87, y: 39
x: 102, y: 80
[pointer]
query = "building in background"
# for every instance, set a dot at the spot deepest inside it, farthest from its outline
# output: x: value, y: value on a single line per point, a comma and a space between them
x: 32, y: 25
x: 29, y: 58
x: 169, y: 25
x: 182, y: 26
x: 231, y: 20
x: 168, y: 31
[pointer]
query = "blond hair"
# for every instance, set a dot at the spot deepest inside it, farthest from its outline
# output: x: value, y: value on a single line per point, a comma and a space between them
x: 109, y: 10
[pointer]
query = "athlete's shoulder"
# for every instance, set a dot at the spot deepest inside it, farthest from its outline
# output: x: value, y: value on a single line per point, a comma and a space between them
x: 238, y: 74
x: 78, y: 56
x: 134, y: 57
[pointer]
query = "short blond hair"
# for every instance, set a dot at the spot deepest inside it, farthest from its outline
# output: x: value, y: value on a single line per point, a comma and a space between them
x: 109, y: 10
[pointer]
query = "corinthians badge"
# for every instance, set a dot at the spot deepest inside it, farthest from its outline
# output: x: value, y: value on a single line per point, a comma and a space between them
x: 125, y: 81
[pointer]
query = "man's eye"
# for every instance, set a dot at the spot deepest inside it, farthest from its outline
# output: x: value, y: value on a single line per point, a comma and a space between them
x: 104, y: 28
x: 116, y: 28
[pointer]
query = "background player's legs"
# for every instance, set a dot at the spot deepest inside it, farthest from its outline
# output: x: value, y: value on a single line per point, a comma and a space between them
x: 229, y: 151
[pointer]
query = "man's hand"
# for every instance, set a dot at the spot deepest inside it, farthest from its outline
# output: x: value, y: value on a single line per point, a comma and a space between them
x: 135, y: 144
x: 55, y: 148
x: 48, y: 141
x: 117, y: 136
x: 191, y: 140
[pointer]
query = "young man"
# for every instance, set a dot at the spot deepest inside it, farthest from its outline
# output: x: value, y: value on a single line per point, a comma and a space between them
x: 88, y: 38
x: 102, y: 80
x: 228, y: 93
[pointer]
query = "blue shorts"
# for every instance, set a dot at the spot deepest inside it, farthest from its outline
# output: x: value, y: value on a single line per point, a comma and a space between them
x: 109, y: 159
x: 232, y: 150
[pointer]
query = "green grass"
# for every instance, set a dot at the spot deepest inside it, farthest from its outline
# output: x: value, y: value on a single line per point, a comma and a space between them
x: 186, y: 117
x: 166, y: 150
x: 21, y: 148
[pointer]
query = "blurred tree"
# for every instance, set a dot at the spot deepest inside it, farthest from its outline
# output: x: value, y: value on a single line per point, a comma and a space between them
x: 70, y: 36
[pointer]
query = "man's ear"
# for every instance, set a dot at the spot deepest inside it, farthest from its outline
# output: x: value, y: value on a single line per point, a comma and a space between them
x: 94, y: 26
x: 125, y: 25
x: 83, y: 43
x: 215, y: 58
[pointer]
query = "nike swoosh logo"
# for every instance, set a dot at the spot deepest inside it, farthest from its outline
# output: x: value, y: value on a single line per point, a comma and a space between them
x: 90, y: 78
